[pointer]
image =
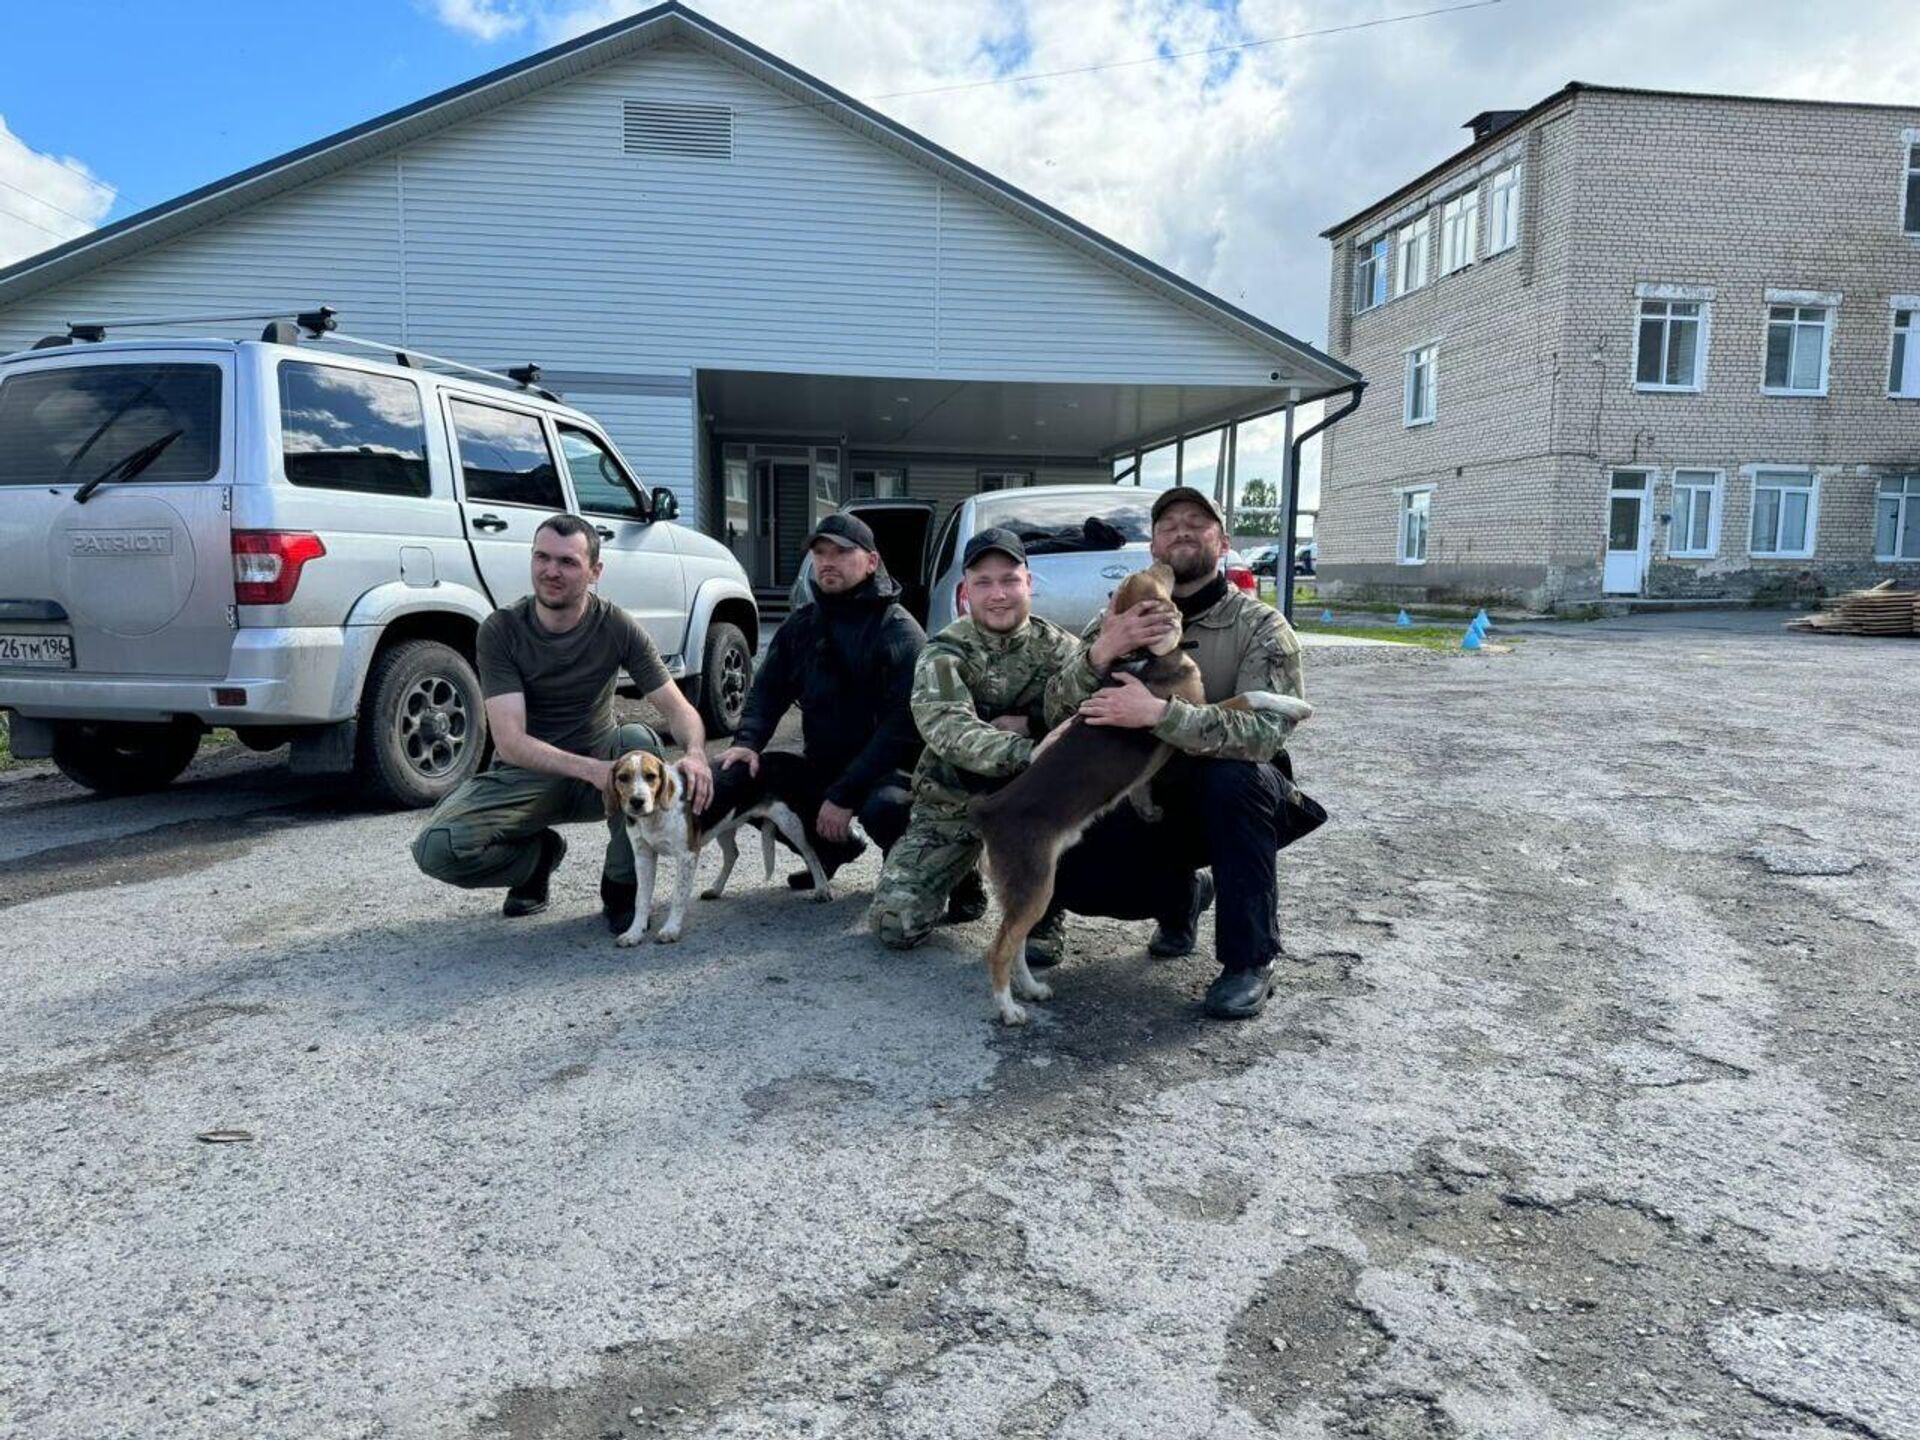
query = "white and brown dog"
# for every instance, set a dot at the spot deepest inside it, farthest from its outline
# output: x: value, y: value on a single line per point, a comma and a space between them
x: 647, y: 793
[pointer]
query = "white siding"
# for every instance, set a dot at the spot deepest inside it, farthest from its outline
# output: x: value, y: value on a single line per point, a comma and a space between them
x: 655, y: 434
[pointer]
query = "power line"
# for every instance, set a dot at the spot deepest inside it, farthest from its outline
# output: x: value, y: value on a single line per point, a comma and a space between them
x: 16, y: 215
x: 1236, y: 47
x: 41, y: 200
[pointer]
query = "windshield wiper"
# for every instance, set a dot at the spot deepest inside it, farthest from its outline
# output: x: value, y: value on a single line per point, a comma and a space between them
x: 129, y: 465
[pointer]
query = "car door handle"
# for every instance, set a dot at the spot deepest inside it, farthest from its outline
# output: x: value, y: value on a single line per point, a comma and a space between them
x: 489, y: 523
x: 605, y: 532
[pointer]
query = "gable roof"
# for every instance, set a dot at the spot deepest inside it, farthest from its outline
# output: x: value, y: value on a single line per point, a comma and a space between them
x: 667, y: 21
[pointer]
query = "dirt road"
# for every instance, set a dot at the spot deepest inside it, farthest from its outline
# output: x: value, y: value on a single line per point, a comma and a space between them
x: 1588, y: 1108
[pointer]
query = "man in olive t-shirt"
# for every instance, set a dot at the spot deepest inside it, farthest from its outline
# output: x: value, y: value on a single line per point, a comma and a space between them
x: 548, y: 665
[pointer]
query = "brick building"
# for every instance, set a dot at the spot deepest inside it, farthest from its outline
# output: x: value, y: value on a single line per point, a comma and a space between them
x: 1631, y: 342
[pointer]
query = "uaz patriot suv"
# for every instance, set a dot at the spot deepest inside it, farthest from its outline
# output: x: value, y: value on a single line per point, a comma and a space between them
x: 300, y: 544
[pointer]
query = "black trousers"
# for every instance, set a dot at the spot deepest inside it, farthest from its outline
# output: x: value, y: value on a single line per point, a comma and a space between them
x: 1231, y: 815
x: 802, y: 784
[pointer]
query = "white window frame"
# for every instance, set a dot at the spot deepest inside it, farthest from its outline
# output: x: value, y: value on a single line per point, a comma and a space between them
x: 1374, y: 259
x: 1799, y: 300
x: 1431, y: 349
x: 1460, y: 230
x: 986, y: 481
x: 1910, y: 174
x: 1803, y: 478
x: 1414, y: 239
x: 1714, y: 485
x: 1403, y: 502
x: 1909, y: 353
x: 1503, y: 210
x: 1906, y: 517
x: 1669, y: 296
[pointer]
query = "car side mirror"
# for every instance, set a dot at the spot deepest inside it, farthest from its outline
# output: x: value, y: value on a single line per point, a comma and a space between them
x: 666, y: 504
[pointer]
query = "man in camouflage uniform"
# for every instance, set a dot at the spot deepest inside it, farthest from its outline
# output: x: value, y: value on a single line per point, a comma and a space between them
x: 980, y: 698
x: 1228, y: 794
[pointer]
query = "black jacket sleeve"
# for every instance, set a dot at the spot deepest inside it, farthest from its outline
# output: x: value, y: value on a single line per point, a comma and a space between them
x: 776, y: 685
x: 894, y: 740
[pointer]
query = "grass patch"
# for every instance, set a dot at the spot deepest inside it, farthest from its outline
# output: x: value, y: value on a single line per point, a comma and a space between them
x: 1427, y: 637
x: 7, y: 762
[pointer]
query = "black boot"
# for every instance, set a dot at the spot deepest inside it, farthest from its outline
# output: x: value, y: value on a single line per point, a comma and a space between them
x: 1239, y: 994
x: 967, y: 901
x: 529, y: 897
x: 1175, y: 937
x: 617, y: 902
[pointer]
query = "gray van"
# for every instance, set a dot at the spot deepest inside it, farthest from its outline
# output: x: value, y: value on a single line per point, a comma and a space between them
x: 300, y: 544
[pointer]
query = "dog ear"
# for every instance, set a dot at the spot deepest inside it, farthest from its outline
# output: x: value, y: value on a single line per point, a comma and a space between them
x: 611, y: 795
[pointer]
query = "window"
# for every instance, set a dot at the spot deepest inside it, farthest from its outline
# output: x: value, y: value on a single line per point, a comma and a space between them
x: 1668, y: 354
x: 68, y: 425
x: 881, y: 484
x: 504, y: 457
x: 1048, y: 522
x: 1410, y: 271
x: 1903, y: 376
x: 1370, y: 275
x: 1415, y: 508
x: 600, y: 485
x: 948, y: 544
x: 348, y: 430
x: 1896, y: 531
x: 1421, y: 365
x: 1797, y: 349
x: 1910, y: 214
x: 1503, y: 211
x: 1696, y: 513
x: 1459, y: 231
x: 1784, y: 510
x: 1005, y: 479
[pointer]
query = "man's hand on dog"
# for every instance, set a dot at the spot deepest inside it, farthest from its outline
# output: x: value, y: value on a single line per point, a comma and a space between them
x: 834, y: 821
x: 699, y: 779
x: 1144, y: 625
x: 1128, y: 704
x: 740, y: 755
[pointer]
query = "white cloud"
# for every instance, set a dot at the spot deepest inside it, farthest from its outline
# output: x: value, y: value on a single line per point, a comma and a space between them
x: 44, y: 199
x: 482, y: 20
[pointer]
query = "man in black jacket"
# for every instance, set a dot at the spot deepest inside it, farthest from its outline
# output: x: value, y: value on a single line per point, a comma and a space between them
x: 847, y: 661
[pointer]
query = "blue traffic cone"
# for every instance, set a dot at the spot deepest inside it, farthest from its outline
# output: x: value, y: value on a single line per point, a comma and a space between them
x: 1478, y: 626
x: 1326, y: 617
x: 1405, y: 619
x: 1471, y: 640
x: 1482, y: 621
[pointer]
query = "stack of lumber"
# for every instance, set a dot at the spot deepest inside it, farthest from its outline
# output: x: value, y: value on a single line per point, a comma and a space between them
x: 1882, y: 610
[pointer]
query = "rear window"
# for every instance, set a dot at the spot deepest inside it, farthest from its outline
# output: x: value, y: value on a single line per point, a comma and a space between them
x: 69, y: 425
x: 348, y: 430
x: 1051, y: 524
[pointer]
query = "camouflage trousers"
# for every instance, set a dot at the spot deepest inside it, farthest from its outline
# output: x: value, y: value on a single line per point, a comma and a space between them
x: 939, y: 849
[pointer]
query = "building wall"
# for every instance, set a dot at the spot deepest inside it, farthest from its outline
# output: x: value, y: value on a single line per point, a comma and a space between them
x: 1734, y: 197
x: 529, y: 233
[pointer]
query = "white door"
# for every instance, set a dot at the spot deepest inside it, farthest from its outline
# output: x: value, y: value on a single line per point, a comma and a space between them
x: 642, y: 574
x: 1625, y: 570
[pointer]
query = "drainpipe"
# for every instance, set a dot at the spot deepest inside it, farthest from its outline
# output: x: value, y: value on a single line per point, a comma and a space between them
x: 1353, y: 393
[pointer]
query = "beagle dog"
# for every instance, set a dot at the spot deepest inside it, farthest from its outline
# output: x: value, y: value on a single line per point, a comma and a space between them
x: 1084, y: 771
x: 646, y: 792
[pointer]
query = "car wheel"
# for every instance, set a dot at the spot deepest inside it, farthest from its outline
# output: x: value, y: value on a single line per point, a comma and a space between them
x: 423, y: 724
x: 112, y: 758
x: 726, y: 674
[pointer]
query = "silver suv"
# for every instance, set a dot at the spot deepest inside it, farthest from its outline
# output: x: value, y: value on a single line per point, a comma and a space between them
x: 300, y: 544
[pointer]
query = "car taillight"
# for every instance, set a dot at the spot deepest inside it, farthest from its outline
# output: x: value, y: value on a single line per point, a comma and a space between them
x: 1241, y: 578
x: 267, y: 564
x: 960, y: 598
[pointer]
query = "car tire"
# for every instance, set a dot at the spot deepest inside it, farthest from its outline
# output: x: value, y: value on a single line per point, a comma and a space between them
x: 113, y: 758
x: 423, y: 724
x: 726, y: 674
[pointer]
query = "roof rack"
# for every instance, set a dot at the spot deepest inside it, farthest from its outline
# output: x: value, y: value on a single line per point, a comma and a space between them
x: 288, y: 328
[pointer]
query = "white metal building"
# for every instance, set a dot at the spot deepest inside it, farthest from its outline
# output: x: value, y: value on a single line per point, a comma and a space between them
x: 776, y: 298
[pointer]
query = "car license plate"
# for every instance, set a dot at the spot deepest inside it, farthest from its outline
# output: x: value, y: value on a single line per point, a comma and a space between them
x: 40, y: 652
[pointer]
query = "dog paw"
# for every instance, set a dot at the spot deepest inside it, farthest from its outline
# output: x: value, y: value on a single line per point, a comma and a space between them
x: 820, y: 895
x: 1010, y: 1012
x: 1034, y: 990
x: 631, y: 938
x: 669, y: 936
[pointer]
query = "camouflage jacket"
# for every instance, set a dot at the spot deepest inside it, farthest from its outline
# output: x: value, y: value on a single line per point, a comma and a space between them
x: 968, y: 677
x: 1240, y: 645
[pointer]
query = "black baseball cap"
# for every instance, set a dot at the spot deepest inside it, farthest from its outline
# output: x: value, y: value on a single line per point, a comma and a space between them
x: 1187, y: 492
x: 846, y: 531
x: 998, y: 538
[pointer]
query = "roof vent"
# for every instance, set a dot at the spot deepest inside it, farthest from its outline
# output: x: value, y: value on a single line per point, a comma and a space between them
x: 677, y: 128
x: 1491, y: 122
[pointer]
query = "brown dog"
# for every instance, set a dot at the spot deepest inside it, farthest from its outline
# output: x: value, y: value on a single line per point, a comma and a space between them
x: 1077, y: 777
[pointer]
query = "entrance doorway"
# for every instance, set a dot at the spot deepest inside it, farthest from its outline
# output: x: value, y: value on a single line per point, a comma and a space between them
x: 1624, y: 571
x: 772, y: 495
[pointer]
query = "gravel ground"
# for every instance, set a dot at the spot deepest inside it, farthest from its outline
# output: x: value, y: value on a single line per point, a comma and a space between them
x: 1587, y: 1107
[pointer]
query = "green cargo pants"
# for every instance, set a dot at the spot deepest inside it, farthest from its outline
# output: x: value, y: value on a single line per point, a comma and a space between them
x: 486, y: 834
x: 919, y: 873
